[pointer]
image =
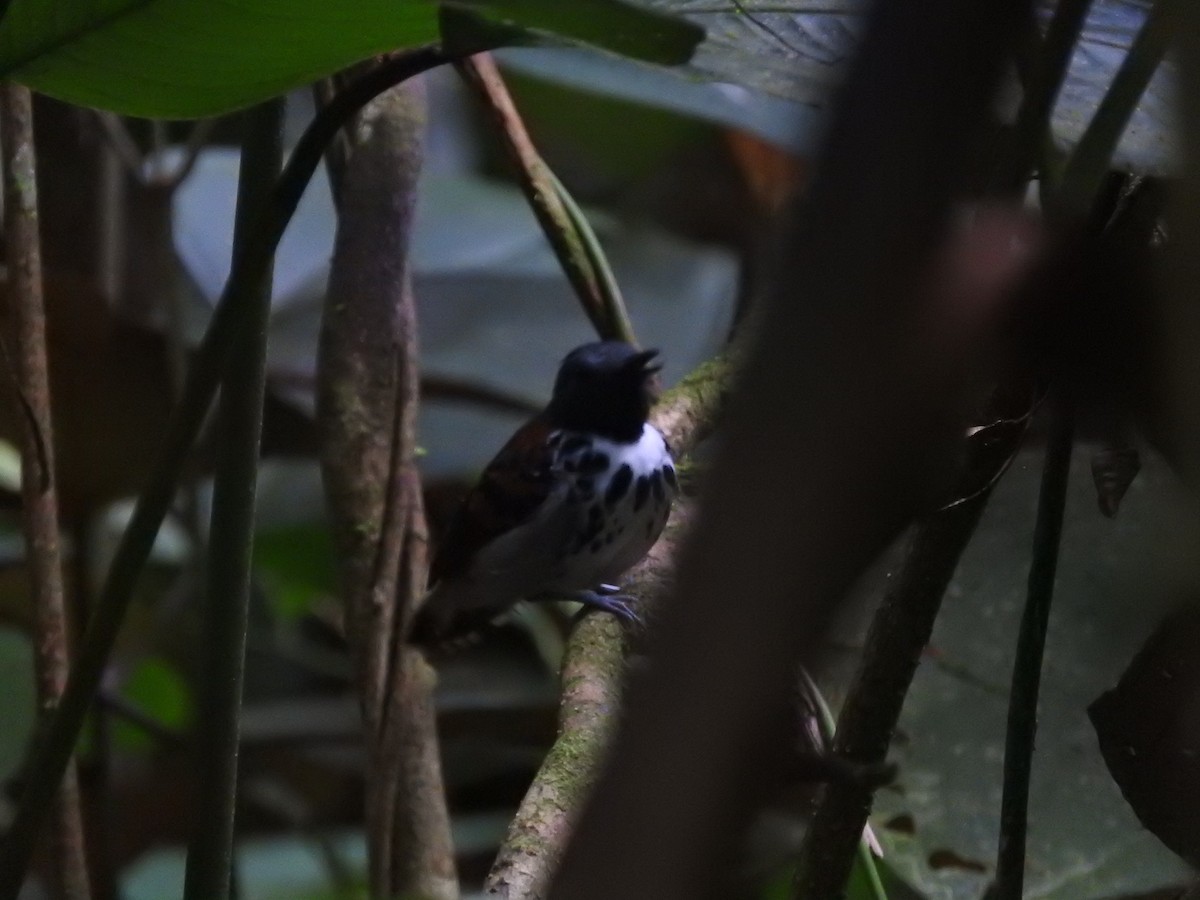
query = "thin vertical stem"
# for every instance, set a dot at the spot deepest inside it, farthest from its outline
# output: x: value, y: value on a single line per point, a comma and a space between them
x: 1031, y: 644
x: 231, y: 535
x: 53, y: 751
x: 38, y: 495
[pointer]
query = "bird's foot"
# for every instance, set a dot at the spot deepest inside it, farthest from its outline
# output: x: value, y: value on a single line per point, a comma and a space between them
x: 605, y: 597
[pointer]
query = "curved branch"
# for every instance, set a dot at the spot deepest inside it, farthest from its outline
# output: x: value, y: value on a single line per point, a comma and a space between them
x: 592, y: 671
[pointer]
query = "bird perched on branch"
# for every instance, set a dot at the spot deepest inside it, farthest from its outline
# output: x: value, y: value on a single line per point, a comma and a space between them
x: 574, y: 499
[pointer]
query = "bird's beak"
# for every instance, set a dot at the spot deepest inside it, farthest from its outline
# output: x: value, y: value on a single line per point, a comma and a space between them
x: 641, y: 363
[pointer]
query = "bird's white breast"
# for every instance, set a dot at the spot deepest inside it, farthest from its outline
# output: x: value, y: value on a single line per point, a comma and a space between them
x: 622, y: 508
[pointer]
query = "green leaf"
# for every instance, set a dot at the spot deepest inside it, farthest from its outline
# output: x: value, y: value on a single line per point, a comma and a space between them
x: 639, y: 33
x: 296, y: 565
x: 19, y: 700
x: 180, y: 59
x: 860, y: 885
x: 175, y: 59
x: 157, y: 689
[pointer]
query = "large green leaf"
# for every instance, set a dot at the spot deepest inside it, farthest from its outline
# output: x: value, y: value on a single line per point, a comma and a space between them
x: 184, y: 58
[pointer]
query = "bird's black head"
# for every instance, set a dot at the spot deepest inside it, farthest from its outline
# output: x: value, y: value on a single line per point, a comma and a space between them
x: 604, y: 388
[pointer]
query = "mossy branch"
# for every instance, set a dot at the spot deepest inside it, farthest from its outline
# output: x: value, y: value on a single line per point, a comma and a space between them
x: 593, y: 667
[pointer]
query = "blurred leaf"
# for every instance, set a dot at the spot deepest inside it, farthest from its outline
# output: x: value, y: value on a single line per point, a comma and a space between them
x: 167, y: 59
x: 596, y: 128
x: 1149, y: 732
x: 157, y: 689
x: 17, y: 701
x: 799, y: 50
x: 857, y: 888
x: 1083, y: 839
x: 10, y: 467
x: 296, y: 566
x: 629, y: 29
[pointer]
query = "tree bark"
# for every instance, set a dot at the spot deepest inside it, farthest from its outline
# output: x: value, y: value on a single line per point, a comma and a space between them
x: 27, y: 364
x: 367, y: 402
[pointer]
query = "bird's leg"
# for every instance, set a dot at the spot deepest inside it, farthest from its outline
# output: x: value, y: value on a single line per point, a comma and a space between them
x: 604, y: 597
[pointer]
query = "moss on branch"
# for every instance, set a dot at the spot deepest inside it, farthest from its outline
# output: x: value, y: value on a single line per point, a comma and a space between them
x: 593, y: 669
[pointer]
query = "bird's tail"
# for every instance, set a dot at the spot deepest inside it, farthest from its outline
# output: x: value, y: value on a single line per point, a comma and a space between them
x: 442, y: 624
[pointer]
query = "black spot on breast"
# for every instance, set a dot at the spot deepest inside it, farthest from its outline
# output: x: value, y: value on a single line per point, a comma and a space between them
x: 641, y: 492
x: 669, y: 474
x: 593, y: 463
x: 595, y: 515
x: 618, y: 486
x: 595, y: 546
x: 570, y: 466
x: 656, y: 485
x: 650, y: 528
x: 609, y: 538
x: 586, y: 487
x: 575, y: 444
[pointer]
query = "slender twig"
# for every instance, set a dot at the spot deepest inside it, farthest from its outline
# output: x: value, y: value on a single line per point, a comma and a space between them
x: 1091, y: 160
x: 1047, y: 71
x: 898, y: 634
x: 563, y: 224
x: 828, y: 727
x: 54, y: 749
x: 121, y: 142
x: 1031, y: 643
x: 39, y: 497
x: 135, y: 715
x: 616, y: 317
x: 192, y: 148
x: 231, y: 535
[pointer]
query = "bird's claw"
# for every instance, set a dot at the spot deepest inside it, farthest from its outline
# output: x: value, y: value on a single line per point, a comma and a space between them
x: 607, y: 600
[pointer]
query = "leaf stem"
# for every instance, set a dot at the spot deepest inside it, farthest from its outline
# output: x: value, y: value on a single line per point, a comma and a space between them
x: 1031, y: 644
x: 828, y: 727
x: 231, y: 533
x: 564, y: 224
